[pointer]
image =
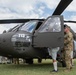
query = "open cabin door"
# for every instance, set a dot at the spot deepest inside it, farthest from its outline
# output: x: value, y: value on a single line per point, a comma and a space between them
x: 50, y: 33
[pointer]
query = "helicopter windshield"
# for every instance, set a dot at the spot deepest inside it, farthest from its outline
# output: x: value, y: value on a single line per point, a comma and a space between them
x: 29, y: 26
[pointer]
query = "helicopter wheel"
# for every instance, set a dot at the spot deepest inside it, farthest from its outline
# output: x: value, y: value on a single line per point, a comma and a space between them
x: 39, y: 60
x: 29, y: 61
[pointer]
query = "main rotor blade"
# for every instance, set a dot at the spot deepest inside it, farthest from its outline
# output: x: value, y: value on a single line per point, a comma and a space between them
x: 61, y: 6
x: 6, y: 21
x: 70, y: 21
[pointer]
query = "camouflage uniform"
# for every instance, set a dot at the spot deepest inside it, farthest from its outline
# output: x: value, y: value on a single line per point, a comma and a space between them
x: 68, y: 47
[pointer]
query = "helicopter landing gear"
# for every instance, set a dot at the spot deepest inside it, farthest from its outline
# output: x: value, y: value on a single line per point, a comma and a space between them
x: 39, y: 60
x: 29, y: 61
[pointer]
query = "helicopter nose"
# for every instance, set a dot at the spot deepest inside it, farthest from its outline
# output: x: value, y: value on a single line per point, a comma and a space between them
x: 5, y: 42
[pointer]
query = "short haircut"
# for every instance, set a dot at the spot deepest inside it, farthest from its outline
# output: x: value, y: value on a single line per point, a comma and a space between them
x: 65, y: 25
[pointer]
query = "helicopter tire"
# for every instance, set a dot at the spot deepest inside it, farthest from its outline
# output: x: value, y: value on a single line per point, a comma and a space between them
x: 39, y: 60
x: 29, y: 61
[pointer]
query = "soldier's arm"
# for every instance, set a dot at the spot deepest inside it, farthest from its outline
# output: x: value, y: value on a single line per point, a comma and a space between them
x: 65, y: 38
x: 68, y: 39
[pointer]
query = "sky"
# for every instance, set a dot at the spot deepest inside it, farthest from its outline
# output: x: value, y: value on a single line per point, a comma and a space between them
x: 23, y: 9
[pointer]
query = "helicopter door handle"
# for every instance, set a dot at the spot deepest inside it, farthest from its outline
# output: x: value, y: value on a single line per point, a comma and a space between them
x: 59, y: 37
x: 34, y: 35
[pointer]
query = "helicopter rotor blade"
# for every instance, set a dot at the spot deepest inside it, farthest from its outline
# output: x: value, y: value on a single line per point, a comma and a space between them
x: 61, y: 7
x: 6, y: 21
x: 70, y: 21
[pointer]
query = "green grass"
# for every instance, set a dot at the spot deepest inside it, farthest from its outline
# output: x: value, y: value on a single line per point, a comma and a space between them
x: 36, y: 69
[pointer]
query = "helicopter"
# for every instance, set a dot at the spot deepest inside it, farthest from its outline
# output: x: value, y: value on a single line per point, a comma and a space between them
x: 32, y: 38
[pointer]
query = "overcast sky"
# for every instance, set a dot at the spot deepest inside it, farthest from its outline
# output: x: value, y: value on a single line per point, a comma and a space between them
x: 16, y: 9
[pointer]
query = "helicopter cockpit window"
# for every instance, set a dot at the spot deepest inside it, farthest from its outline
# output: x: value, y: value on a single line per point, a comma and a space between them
x: 14, y: 28
x: 29, y: 26
x: 51, y: 25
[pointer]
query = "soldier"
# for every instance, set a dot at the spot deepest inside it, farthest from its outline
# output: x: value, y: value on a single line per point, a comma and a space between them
x: 68, y: 46
x: 72, y: 47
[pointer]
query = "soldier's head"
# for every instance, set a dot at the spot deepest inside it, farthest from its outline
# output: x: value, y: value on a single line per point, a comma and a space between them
x: 66, y: 28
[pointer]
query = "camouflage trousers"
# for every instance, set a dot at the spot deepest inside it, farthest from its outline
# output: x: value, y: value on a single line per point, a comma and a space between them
x: 66, y: 56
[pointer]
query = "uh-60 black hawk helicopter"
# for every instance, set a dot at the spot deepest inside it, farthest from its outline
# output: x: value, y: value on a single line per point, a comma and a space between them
x: 32, y: 38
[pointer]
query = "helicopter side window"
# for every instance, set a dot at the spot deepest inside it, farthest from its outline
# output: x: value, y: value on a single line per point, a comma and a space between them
x: 51, y: 25
x: 15, y: 28
x: 29, y: 26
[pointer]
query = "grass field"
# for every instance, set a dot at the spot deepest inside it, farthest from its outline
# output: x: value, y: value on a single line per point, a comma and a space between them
x: 36, y: 69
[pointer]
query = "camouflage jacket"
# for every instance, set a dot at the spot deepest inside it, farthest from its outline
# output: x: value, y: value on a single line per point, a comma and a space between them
x: 68, y: 41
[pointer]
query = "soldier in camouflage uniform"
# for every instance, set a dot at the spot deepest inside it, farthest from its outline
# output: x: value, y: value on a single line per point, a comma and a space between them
x: 68, y: 46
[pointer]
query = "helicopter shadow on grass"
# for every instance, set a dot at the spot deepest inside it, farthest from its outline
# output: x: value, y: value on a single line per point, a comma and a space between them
x: 28, y: 66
